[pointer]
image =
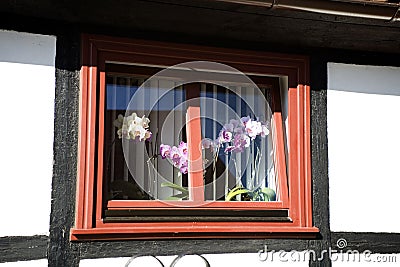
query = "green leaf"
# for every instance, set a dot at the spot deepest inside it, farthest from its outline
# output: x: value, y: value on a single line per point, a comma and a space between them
x: 175, y: 186
x: 236, y: 191
x: 269, y: 193
x: 173, y: 198
x: 180, y: 196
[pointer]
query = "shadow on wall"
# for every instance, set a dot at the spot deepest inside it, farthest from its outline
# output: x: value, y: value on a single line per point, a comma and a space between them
x: 37, y: 54
x: 365, y: 79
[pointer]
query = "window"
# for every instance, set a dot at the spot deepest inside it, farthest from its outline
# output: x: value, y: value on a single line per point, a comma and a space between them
x: 187, y: 141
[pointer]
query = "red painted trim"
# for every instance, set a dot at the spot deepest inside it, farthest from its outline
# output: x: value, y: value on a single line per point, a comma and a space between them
x: 196, y: 184
x: 280, y: 159
x: 90, y: 147
x: 300, y: 149
x: 100, y: 136
x: 307, y: 157
x: 300, y: 156
x: 201, y: 226
x: 295, y: 188
x: 80, y: 189
x: 126, y: 204
x: 86, y: 137
x: 194, y: 230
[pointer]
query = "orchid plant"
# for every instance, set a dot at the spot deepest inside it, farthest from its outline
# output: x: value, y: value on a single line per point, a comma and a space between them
x: 178, y: 155
x: 235, y: 137
x: 133, y: 127
x: 136, y: 128
x: 239, y: 133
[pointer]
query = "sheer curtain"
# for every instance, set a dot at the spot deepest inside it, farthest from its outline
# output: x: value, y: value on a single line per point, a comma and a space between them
x: 166, y: 110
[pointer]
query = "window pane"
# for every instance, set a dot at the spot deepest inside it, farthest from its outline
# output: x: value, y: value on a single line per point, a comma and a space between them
x: 144, y: 138
x: 132, y: 169
x: 240, y: 165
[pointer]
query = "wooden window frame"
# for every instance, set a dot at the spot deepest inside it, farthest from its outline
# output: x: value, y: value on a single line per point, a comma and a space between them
x: 296, y: 199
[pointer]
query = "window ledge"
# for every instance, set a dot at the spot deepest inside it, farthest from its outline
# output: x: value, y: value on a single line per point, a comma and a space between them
x: 252, y: 230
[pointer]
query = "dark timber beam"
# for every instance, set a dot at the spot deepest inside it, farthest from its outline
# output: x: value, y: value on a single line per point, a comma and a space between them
x: 362, y: 9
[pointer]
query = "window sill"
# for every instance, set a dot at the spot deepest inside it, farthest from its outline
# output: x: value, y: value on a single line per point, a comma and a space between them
x: 195, y: 230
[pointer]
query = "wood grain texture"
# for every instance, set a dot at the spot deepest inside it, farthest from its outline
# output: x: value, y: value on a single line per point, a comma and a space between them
x: 60, y: 251
x: 215, y: 22
x: 376, y: 242
x: 319, y: 158
x: 174, y: 247
x: 20, y: 248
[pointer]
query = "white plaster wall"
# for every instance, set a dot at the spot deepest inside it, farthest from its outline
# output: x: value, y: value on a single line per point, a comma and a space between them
x: 34, y: 263
x: 364, y: 147
x: 296, y: 259
x: 27, y: 86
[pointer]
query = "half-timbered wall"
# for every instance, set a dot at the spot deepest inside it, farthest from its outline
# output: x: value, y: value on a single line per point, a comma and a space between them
x: 354, y: 133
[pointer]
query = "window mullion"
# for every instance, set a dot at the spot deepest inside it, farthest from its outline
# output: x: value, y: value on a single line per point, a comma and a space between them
x: 195, y: 173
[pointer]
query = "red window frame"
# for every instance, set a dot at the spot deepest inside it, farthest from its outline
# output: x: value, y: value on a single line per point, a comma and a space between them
x: 296, y: 186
